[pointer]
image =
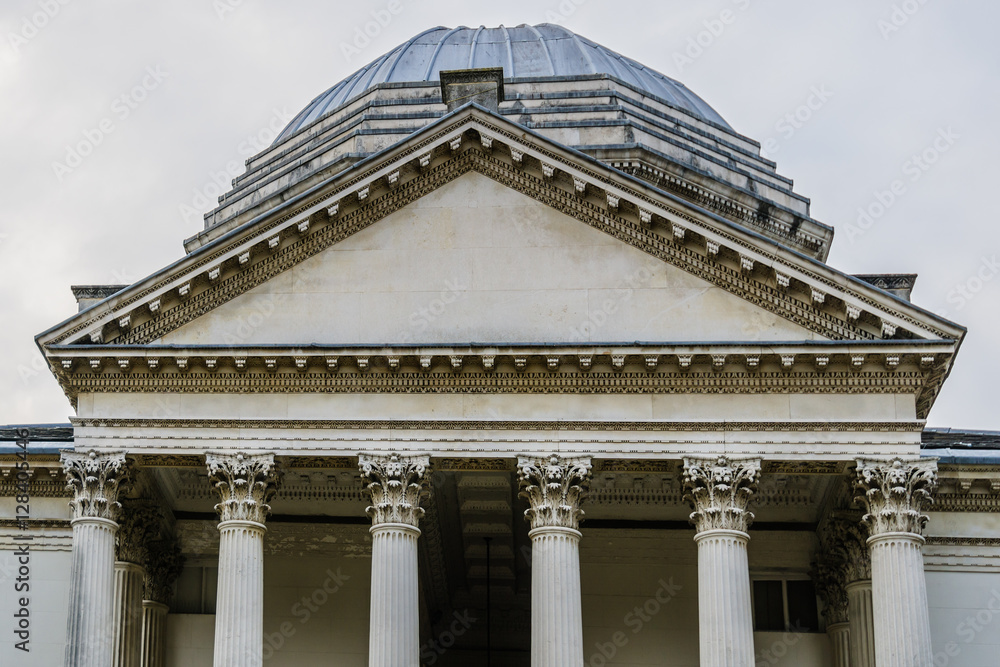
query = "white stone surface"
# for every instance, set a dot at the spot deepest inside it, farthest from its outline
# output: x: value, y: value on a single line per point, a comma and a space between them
x: 239, y: 630
x: 154, y: 629
x: 439, y: 271
x: 90, y: 624
x: 556, y: 616
x: 725, y: 619
x: 128, y: 614
x: 395, y: 610
x: 862, y: 623
x: 899, y: 601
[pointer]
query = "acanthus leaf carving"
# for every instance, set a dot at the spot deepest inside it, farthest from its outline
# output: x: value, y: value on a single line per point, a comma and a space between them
x: 246, y: 483
x: 95, y: 481
x: 164, y: 563
x: 395, y: 484
x: 719, y: 490
x: 894, y: 492
x: 138, y: 524
x: 555, y: 489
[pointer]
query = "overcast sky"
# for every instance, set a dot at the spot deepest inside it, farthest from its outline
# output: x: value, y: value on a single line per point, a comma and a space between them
x: 170, y: 95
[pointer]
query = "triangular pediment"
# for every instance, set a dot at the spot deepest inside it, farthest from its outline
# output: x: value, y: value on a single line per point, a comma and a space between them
x: 478, y: 261
x: 713, y: 280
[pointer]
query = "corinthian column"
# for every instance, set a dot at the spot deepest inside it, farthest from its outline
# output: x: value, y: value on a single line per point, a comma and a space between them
x: 828, y: 575
x: 163, y: 565
x: 245, y: 483
x: 555, y: 488
x: 719, y: 490
x: 139, y: 522
x: 394, y: 483
x: 893, y: 493
x: 95, y: 481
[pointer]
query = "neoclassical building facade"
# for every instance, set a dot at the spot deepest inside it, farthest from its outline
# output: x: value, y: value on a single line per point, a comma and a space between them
x: 509, y: 351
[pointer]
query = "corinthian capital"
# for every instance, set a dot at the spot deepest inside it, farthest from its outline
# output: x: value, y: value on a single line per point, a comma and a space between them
x: 394, y: 483
x: 246, y: 483
x: 95, y: 480
x: 828, y: 576
x: 554, y: 487
x: 719, y: 490
x: 846, y: 542
x: 894, y: 492
x: 139, y: 523
x: 163, y: 566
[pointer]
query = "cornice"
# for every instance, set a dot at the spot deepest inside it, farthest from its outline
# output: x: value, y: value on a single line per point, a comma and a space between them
x: 913, y: 367
x: 809, y: 293
x: 499, y: 425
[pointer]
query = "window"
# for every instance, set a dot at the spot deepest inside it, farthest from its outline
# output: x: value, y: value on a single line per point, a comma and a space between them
x: 781, y: 605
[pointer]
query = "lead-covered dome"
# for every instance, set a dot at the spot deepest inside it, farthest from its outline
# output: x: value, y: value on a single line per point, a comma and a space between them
x: 525, y: 51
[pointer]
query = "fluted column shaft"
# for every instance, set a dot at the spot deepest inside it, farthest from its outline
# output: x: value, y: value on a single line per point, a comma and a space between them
x: 394, y: 639
x: 239, y: 610
x: 724, y: 611
x: 556, y: 604
x: 128, y: 614
x: 840, y: 644
x: 862, y: 623
x: 90, y: 638
x: 154, y: 630
x: 899, y: 600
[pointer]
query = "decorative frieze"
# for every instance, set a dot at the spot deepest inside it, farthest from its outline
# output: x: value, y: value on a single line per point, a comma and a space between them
x: 894, y: 493
x: 246, y: 483
x: 554, y: 488
x: 719, y: 490
x: 95, y: 481
x: 395, y: 484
